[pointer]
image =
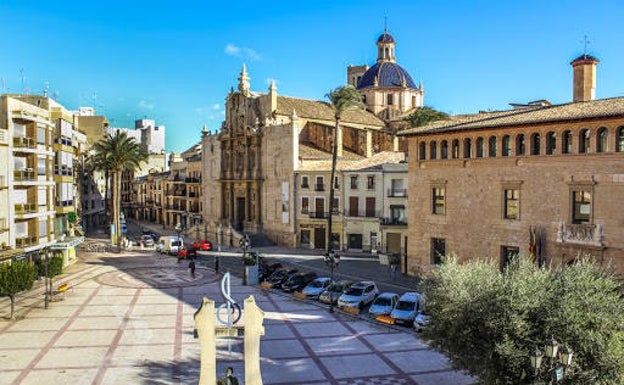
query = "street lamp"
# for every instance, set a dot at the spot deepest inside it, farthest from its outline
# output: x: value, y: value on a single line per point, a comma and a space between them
x: 558, y: 359
x: 331, y: 259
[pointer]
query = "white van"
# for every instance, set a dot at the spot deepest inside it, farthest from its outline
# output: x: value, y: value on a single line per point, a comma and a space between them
x: 169, y: 244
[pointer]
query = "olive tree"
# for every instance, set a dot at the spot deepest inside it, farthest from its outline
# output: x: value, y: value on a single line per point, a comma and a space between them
x: 486, y: 320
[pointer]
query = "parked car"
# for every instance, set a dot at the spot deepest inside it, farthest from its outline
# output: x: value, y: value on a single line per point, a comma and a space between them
x: 147, y: 240
x: 202, y: 245
x: 383, y: 304
x: 280, y: 276
x: 297, y: 282
x: 265, y: 269
x: 187, y: 252
x: 421, y: 321
x: 409, y: 305
x: 334, y: 291
x: 359, y: 295
x: 316, y: 287
x: 169, y: 244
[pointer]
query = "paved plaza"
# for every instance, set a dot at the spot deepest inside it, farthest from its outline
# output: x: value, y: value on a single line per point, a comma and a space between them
x: 128, y: 319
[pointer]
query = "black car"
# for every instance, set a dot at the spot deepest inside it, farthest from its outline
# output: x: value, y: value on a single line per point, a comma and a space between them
x: 298, y: 281
x: 265, y: 269
x: 280, y: 276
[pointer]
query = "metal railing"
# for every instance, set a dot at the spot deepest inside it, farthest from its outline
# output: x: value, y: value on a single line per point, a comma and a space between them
x: 24, y: 142
x: 397, y: 192
x: 25, y: 208
x: 25, y: 174
x: 394, y: 222
x: 362, y: 213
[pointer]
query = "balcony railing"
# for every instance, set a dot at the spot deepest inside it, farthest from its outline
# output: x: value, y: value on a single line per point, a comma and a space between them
x: 25, y: 208
x: 63, y: 171
x: 192, y: 180
x: 67, y: 203
x: 581, y: 234
x: 362, y: 213
x: 25, y: 174
x: 24, y: 142
x: 318, y: 214
x: 397, y: 192
x: 394, y: 222
x: 22, y: 242
x: 64, y: 141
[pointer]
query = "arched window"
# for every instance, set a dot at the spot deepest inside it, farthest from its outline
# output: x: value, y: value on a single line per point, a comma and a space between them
x: 422, y: 151
x: 551, y: 143
x: 602, y: 140
x: 584, y: 141
x: 455, y: 149
x: 535, y: 144
x: 433, y: 147
x: 520, y: 145
x: 444, y: 149
x: 492, y: 147
x: 566, y: 147
x: 620, y: 139
x: 479, y: 147
x: 468, y: 148
x: 506, y: 145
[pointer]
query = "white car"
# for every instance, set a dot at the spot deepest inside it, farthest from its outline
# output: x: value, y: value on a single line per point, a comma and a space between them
x: 421, y: 321
x: 409, y: 305
x: 316, y: 287
x: 359, y: 295
x: 383, y: 304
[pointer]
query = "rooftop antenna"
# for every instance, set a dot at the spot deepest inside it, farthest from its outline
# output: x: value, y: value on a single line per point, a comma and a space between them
x: 45, y: 89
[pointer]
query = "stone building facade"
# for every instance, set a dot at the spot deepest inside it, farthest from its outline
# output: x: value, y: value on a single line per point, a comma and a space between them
x: 545, y: 181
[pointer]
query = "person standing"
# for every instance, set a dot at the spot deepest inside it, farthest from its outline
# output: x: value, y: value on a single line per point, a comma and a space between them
x: 192, y: 267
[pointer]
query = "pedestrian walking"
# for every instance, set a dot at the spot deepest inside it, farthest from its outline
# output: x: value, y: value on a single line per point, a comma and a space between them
x: 192, y: 267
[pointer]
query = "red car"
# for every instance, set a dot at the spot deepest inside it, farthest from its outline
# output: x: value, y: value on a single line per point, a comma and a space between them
x: 202, y: 245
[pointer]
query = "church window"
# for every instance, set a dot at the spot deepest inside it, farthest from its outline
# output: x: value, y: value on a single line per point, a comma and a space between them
x: 551, y: 143
x: 511, y: 203
x: 602, y: 140
x: 520, y: 145
x: 567, y: 142
x: 492, y: 147
x: 581, y: 205
x: 479, y: 147
x: 584, y: 141
x: 390, y: 98
x: 467, y: 148
x: 535, y: 144
x: 438, y: 202
x: 422, y: 146
x: 620, y: 139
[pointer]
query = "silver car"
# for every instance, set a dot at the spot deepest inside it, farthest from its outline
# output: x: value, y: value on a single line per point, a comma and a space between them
x: 359, y: 295
x: 383, y: 304
x: 316, y: 287
x: 335, y: 290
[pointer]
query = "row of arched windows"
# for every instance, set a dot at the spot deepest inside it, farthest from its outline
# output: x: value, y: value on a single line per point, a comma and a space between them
x: 570, y: 142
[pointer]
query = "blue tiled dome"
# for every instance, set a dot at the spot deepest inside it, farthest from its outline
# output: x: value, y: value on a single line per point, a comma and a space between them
x: 385, y: 38
x: 388, y: 74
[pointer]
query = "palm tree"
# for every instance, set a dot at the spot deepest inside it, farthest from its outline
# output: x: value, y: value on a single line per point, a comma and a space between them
x: 116, y: 153
x: 342, y: 99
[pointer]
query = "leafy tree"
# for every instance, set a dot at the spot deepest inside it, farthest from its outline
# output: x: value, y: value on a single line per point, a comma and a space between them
x: 487, y: 321
x: 118, y: 152
x: 55, y: 267
x: 72, y: 217
x: 16, y: 277
x: 425, y: 115
x: 342, y: 99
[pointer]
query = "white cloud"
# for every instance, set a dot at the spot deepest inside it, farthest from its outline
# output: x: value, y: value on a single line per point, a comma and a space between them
x: 216, y: 106
x: 242, y: 52
x: 145, y: 105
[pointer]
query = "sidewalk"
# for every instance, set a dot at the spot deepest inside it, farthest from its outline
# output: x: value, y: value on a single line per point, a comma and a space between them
x: 129, y: 319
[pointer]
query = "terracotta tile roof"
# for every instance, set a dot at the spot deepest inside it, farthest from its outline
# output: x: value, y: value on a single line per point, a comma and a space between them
x: 315, y: 109
x: 578, y: 111
x: 378, y: 159
x: 313, y: 159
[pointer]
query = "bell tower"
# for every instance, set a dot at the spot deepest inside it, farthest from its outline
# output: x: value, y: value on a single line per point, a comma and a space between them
x: 385, y: 47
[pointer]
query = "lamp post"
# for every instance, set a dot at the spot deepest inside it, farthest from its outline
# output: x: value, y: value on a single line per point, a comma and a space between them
x: 558, y: 359
x: 331, y: 259
x: 245, y: 243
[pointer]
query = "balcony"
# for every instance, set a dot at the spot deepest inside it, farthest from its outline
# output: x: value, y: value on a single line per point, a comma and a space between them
x: 192, y: 180
x: 22, y: 242
x: 362, y: 213
x: 67, y: 203
x: 63, y: 141
x: 25, y: 174
x: 25, y: 208
x: 318, y: 214
x: 24, y: 142
x: 580, y: 234
x: 397, y: 192
x: 394, y: 221
x: 63, y: 171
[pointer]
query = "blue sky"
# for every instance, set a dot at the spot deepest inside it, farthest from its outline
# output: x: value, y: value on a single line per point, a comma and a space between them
x: 176, y: 61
